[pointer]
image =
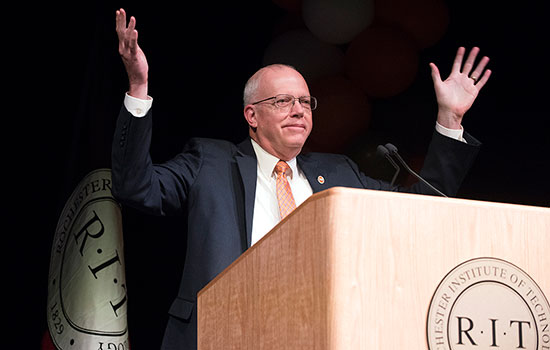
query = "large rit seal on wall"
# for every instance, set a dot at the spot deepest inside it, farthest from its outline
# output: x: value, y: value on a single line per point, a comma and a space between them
x: 87, y: 287
x: 488, y: 303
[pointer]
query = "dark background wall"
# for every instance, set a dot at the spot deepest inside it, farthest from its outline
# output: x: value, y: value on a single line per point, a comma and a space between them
x: 67, y: 84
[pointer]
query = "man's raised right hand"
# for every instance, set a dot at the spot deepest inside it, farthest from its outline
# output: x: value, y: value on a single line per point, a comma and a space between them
x: 132, y: 56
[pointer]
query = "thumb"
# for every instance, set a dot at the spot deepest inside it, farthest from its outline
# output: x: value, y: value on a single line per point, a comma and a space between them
x: 436, y: 77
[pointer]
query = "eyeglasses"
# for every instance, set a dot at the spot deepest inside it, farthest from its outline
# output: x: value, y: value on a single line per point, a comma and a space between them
x: 285, y: 101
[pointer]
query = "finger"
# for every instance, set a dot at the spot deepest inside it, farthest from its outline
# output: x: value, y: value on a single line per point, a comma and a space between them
x: 483, y: 79
x: 132, y: 24
x: 130, y: 34
x: 470, y: 60
x: 120, y: 20
x: 458, y: 60
x: 476, y: 74
x: 436, y: 77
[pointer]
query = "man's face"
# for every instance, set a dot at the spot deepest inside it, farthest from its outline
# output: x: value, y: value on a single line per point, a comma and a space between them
x: 281, y: 131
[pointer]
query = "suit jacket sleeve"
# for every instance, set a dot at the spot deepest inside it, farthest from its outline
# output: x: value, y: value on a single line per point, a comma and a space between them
x: 155, y: 189
x: 446, y: 165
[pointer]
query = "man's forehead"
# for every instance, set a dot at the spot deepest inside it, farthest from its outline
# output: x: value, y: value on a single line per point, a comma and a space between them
x: 278, y: 79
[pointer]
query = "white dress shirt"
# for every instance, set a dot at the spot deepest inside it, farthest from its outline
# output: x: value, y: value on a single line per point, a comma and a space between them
x: 266, y: 208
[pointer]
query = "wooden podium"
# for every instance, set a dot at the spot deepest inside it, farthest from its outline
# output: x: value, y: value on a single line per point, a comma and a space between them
x: 357, y: 269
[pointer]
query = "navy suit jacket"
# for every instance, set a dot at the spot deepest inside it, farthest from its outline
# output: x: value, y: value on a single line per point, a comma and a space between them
x: 213, y: 182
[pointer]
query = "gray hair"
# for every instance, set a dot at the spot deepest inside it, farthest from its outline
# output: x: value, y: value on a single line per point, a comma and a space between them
x: 252, y: 85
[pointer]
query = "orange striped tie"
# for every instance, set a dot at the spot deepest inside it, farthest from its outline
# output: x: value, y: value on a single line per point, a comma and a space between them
x: 284, y: 194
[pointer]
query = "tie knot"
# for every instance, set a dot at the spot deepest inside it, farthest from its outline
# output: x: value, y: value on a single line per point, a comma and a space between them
x: 282, y: 168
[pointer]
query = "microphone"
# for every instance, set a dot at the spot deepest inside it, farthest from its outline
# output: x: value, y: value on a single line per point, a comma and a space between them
x: 383, y: 151
x: 393, y: 151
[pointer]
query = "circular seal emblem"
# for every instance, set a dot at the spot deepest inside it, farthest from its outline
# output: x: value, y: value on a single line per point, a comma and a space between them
x: 86, y: 287
x: 488, y: 303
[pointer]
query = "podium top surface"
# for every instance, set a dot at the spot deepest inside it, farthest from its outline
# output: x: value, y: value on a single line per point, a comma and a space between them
x: 345, y: 191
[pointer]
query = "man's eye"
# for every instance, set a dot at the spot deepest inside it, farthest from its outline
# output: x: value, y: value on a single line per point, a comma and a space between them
x: 305, y: 101
x: 282, y: 100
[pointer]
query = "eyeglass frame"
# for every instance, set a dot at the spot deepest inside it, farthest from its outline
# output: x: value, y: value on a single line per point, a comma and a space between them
x: 293, y: 101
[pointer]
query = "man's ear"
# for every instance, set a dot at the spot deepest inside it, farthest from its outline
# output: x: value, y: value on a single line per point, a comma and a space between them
x: 250, y: 116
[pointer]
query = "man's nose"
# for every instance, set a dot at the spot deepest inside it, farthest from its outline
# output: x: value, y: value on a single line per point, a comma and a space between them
x: 297, y: 110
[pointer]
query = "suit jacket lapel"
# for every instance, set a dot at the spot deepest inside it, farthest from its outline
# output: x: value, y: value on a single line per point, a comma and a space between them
x: 316, y: 177
x: 247, y: 163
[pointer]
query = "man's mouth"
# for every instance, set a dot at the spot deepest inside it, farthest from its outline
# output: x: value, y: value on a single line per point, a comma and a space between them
x: 295, y: 126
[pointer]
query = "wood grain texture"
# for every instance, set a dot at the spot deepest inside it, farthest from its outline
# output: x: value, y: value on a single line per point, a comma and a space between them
x: 356, y: 269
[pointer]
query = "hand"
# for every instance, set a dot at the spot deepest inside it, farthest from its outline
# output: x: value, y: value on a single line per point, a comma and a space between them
x: 132, y: 56
x: 458, y: 92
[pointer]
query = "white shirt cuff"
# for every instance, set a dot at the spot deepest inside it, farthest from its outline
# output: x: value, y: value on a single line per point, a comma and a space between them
x: 136, y: 106
x: 456, y: 134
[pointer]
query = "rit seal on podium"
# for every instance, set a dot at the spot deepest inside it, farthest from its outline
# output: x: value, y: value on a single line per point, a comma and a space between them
x: 488, y: 303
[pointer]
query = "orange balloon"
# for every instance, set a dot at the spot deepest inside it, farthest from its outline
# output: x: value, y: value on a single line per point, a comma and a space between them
x: 305, y: 52
x: 343, y: 113
x: 425, y: 20
x: 337, y: 21
x: 382, y: 60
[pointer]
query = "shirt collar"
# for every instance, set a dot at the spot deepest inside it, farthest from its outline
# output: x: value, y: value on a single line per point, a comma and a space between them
x: 267, y: 162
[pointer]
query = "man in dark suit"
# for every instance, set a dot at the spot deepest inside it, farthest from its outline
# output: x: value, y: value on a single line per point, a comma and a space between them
x: 230, y: 192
